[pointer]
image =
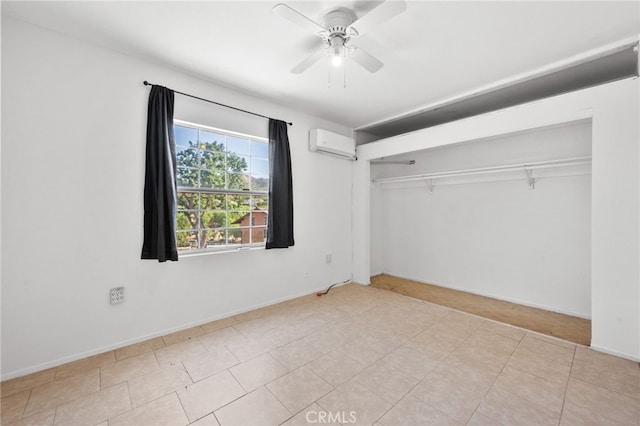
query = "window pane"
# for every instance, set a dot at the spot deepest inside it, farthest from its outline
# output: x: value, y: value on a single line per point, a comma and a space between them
x: 213, y: 237
x: 187, y: 177
x: 258, y: 235
x: 188, y: 201
x: 213, y: 180
x: 261, y: 202
x: 259, y: 183
x: 238, y: 181
x: 185, y: 136
x: 186, y: 157
x: 235, y: 235
x: 210, y: 219
x: 212, y: 160
x: 212, y: 141
x: 187, y: 240
x: 259, y: 218
x: 186, y: 220
x: 259, y: 149
x: 237, y: 145
x: 239, y: 202
x: 237, y: 163
x: 259, y: 167
x: 213, y: 201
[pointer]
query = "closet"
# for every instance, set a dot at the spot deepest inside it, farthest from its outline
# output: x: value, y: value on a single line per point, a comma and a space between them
x: 507, y: 217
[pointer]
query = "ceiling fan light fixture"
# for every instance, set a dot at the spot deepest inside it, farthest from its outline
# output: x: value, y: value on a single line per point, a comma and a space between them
x: 337, y: 50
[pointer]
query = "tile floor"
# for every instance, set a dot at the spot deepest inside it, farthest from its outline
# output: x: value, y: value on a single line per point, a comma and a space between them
x: 358, y: 355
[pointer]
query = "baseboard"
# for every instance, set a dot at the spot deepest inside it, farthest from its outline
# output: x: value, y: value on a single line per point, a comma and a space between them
x: 75, y: 357
x: 615, y: 353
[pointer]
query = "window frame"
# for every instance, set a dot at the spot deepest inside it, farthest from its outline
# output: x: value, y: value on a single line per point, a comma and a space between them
x: 226, y: 247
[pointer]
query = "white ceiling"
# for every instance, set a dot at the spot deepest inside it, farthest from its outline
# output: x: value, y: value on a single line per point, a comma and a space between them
x: 432, y: 51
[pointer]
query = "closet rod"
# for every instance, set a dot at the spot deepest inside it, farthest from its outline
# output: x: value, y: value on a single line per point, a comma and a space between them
x: 576, y: 161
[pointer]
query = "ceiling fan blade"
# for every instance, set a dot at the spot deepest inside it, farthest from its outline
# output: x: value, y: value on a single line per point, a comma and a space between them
x: 365, y: 60
x: 380, y: 14
x: 310, y: 60
x: 297, y: 18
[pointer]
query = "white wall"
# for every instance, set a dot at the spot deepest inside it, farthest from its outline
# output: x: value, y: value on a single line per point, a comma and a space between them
x: 73, y: 142
x: 615, y: 196
x: 496, y: 238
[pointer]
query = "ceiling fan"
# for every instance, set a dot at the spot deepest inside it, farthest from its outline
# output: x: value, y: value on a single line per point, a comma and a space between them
x: 339, y: 27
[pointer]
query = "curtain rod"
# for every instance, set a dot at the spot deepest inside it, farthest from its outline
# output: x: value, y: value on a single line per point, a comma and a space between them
x: 146, y: 83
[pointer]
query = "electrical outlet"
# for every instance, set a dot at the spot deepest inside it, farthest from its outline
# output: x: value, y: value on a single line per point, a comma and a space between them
x: 117, y: 295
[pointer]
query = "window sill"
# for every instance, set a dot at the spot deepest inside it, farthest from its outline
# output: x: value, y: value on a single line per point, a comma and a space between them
x: 219, y: 251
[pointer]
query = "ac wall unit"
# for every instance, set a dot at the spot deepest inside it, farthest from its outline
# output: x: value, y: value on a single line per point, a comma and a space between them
x: 332, y: 143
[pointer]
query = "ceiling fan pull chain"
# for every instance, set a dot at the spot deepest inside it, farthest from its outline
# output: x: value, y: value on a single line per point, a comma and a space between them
x: 344, y: 76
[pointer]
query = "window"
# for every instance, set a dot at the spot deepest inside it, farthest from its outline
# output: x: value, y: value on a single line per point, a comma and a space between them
x: 223, y: 184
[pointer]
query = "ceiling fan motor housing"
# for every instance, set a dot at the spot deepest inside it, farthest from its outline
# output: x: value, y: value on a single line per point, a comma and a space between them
x: 337, y: 21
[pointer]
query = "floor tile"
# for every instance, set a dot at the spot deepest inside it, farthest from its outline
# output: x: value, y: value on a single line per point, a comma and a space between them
x: 312, y: 323
x: 549, y: 339
x: 202, y: 365
x: 313, y: 415
x: 600, y: 404
x: 182, y: 335
x: 259, y: 407
x: 366, y: 350
x: 454, y: 399
x: 440, y: 340
x: 175, y: 353
x: 139, y: 348
x: 283, y: 335
x: 335, y: 367
x: 389, y: 360
x: 154, y: 385
x: 20, y: 384
x: 12, y: 407
x: 355, y: 402
x: 607, y: 371
x: 298, y: 389
x: 510, y: 409
x: 258, y: 372
x: 127, y: 369
x: 412, y: 360
x: 552, y: 363
x: 209, y: 420
x: 492, y: 354
x: 94, y: 408
x: 532, y: 388
x: 209, y: 394
x: 410, y: 411
x: 52, y: 394
x: 43, y: 418
x: 248, y: 348
x: 327, y: 340
x: 474, y: 377
x: 386, y: 381
x: 219, y: 324
x: 164, y: 411
x: 505, y: 330
x: 296, y: 354
x: 220, y: 337
x: 85, y: 364
x: 481, y: 420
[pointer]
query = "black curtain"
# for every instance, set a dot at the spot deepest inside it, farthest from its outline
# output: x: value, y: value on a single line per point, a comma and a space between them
x: 280, y: 222
x: 160, y: 179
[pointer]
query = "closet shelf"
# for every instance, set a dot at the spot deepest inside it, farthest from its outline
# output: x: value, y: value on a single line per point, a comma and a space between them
x: 528, y: 168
